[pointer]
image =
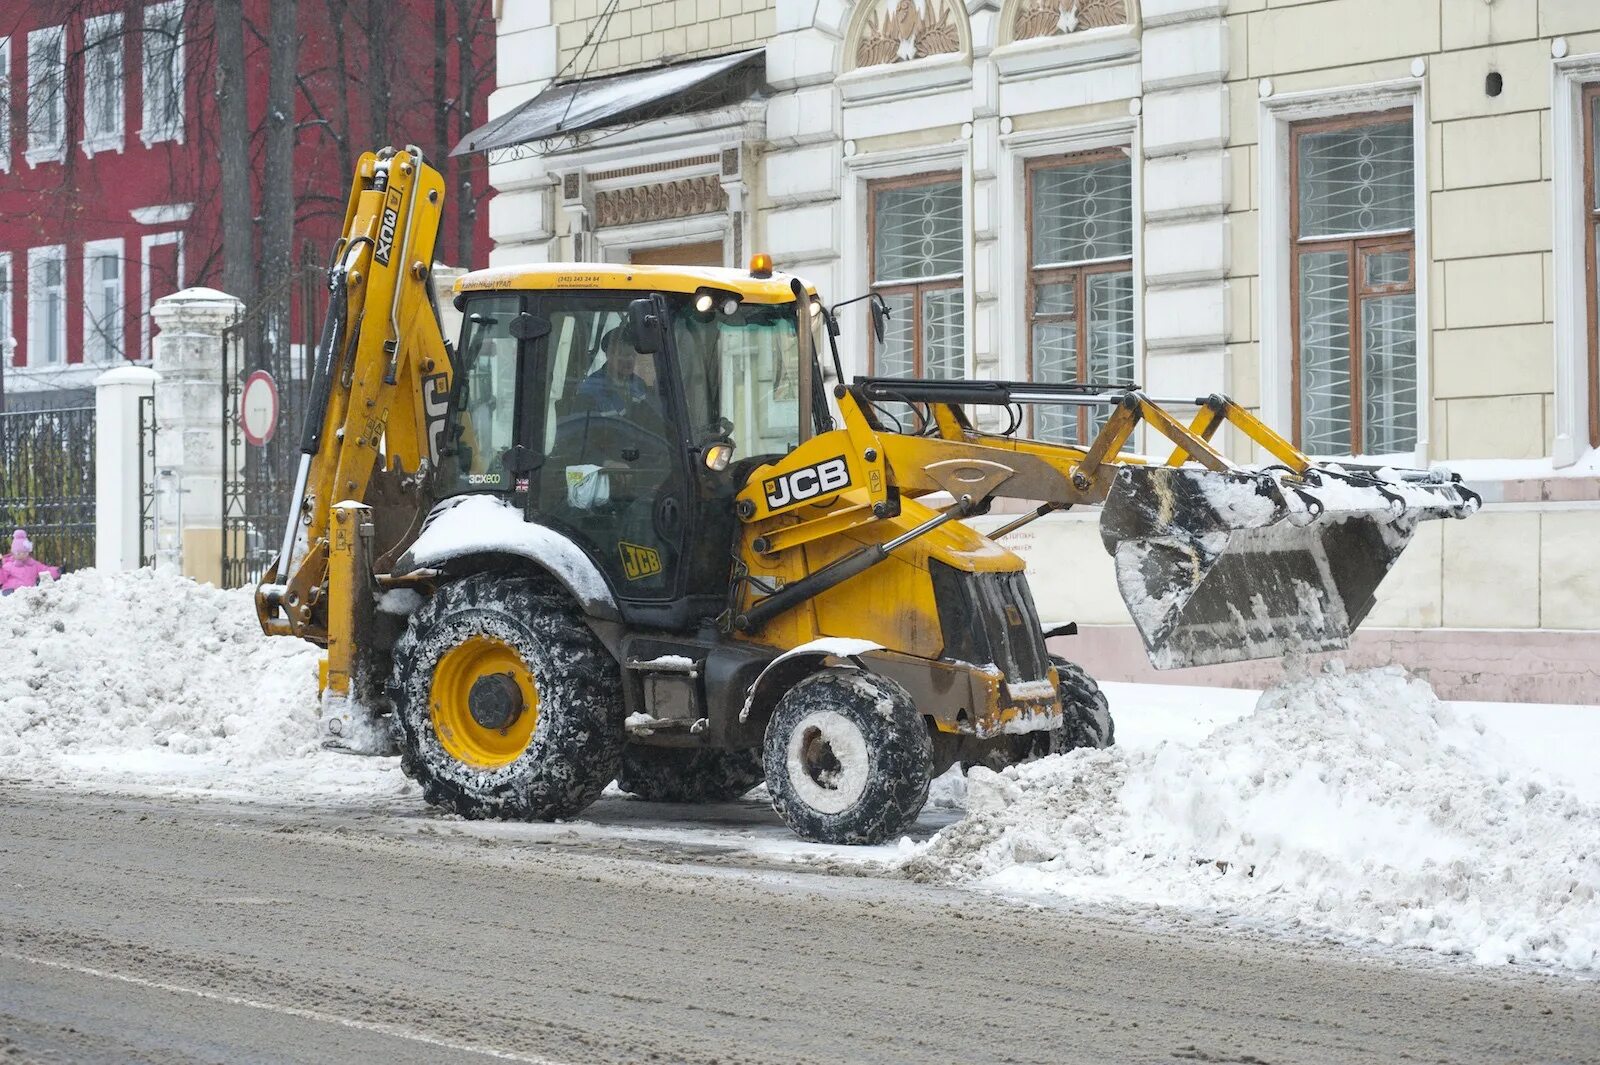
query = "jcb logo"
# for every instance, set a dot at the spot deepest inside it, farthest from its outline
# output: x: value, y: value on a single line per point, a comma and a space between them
x: 386, y: 228
x: 809, y: 482
x: 639, y: 562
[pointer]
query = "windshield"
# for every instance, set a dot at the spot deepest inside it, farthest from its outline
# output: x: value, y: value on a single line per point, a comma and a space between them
x: 741, y: 375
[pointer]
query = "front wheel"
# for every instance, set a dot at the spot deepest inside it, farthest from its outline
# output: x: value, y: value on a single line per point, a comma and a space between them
x: 507, y: 703
x: 1085, y: 713
x: 848, y: 758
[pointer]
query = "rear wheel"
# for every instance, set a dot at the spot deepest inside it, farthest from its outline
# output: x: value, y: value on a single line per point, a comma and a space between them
x: 1085, y: 713
x: 507, y: 704
x: 848, y: 758
x: 688, y: 774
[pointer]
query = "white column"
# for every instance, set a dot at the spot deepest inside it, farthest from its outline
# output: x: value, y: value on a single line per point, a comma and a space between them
x: 188, y: 356
x: 117, y: 456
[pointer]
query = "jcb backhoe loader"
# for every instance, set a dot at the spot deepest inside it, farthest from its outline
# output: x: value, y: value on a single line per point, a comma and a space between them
x: 618, y: 531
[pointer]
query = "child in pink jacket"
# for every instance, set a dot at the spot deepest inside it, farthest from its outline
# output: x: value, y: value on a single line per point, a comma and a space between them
x: 20, y: 569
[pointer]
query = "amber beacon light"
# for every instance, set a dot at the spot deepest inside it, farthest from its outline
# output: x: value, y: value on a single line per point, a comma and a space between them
x: 760, y: 265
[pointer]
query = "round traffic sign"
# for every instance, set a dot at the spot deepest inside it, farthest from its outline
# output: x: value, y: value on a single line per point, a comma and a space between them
x: 258, y: 408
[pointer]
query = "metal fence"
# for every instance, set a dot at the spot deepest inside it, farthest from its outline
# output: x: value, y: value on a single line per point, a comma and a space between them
x: 47, y: 483
x: 258, y: 479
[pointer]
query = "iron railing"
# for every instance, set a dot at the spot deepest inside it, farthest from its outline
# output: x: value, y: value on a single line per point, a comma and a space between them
x: 47, y: 483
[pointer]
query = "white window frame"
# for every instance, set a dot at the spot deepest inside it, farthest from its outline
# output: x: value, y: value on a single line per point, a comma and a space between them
x: 146, y: 242
x: 6, y: 97
x: 112, y: 352
x: 1017, y: 150
x: 56, y: 151
x: 1279, y: 112
x: 1569, y: 266
x: 151, y: 133
x: 860, y: 172
x: 104, y: 31
x: 37, y: 296
x: 8, y: 292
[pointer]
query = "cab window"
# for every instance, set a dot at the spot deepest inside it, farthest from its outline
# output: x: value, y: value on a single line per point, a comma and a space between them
x: 484, y: 417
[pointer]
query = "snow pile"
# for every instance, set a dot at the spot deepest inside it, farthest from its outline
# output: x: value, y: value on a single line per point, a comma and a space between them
x: 148, y: 676
x: 1356, y: 805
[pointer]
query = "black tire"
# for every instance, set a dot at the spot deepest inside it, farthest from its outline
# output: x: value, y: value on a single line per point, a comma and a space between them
x: 687, y: 774
x: 576, y: 741
x: 848, y: 758
x: 1085, y: 714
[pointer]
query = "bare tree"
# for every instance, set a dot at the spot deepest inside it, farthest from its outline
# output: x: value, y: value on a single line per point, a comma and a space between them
x: 277, y: 183
x: 238, y: 214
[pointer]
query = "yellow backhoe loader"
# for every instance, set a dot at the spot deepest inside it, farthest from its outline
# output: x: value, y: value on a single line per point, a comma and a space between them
x: 619, y: 531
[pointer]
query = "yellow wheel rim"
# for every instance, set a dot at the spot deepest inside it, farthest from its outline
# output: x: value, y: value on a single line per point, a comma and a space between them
x: 450, y: 707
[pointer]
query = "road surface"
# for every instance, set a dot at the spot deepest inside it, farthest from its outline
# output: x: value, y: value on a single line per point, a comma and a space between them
x: 160, y: 929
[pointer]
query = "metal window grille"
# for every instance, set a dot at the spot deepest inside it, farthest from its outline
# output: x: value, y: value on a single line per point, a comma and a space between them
x: 1353, y: 245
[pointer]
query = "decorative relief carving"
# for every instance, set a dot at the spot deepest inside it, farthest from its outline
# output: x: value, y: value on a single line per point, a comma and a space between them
x: 658, y: 202
x: 1049, y: 18
x: 911, y: 29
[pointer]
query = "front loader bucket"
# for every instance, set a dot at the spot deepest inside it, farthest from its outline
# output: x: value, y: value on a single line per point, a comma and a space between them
x: 1229, y: 566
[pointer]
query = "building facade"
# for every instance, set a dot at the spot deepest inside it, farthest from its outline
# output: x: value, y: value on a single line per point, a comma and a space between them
x: 110, y: 183
x: 1374, y: 223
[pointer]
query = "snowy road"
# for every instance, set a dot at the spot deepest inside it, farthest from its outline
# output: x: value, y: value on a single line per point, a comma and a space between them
x: 188, y: 929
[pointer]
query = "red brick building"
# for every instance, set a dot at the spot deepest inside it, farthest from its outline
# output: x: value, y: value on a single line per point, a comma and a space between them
x: 110, y: 176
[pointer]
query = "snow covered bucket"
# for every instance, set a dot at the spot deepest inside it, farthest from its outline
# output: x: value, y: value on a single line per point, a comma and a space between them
x: 1228, y: 566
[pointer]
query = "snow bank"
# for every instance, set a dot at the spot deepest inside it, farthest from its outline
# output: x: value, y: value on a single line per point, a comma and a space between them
x: 1356, y: 805
x: 150, y: 677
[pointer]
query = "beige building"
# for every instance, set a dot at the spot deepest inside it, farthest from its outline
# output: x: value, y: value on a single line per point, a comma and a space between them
x: 1374, y: 222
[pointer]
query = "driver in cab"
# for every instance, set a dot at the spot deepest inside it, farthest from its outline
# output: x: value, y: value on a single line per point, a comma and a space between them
x: 615, y: 388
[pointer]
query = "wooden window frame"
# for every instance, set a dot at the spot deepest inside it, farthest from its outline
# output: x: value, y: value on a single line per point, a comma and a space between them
x: 1076, y: 275
x: 1591, y: 229
x: 1354, y: 247
x: 915, y: 289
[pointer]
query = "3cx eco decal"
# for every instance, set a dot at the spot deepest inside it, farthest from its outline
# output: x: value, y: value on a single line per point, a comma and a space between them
x: 639, y: 562
x: 808, y: 482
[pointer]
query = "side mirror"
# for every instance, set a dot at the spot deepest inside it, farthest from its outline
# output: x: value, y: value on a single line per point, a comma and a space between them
x: 644, y: 322
x: 880, y: 315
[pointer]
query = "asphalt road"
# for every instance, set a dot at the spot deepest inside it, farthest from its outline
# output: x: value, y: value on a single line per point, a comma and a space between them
x: 172, y: 930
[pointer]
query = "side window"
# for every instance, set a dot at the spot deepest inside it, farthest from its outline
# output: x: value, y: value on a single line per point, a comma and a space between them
x: 485, y: 416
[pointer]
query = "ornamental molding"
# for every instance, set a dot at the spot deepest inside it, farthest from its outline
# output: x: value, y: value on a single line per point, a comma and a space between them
x: 1062, y: 18
x: 661, y: 201
x: 901, y: 31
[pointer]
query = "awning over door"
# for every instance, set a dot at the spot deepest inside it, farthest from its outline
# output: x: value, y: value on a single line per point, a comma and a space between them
x: 574, y: 106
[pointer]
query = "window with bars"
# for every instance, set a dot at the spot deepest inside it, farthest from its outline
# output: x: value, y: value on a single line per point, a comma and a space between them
x: 1591, y: 214
x: 916, y: 239
x: 1080, y: 281
x: 1353, y: 257
x: 162, y: 54
x: 102, y: 83
x: 47, y: 94
x: 102, y: 301
x: 47, y: 306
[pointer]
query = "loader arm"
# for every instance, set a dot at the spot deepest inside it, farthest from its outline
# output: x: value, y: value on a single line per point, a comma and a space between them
x: 1216, y: 561
x: 375, y: 416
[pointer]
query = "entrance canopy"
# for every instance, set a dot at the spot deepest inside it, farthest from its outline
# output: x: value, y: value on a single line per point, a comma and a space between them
x: 565, y: 108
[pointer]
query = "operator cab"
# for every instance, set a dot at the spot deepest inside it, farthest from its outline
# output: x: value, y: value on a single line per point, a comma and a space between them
x: 605, y: 403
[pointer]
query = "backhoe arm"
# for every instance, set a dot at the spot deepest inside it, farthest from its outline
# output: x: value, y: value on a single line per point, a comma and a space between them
x: 375, y: 419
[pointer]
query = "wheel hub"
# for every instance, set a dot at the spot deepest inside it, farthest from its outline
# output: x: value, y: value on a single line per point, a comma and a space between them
x: 495, y: 701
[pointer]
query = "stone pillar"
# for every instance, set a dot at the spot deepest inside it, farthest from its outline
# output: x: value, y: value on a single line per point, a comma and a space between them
x: 117, y: 457
x: 189, y: 446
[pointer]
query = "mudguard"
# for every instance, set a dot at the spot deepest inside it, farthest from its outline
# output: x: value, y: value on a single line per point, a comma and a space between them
x: 484, y: 524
